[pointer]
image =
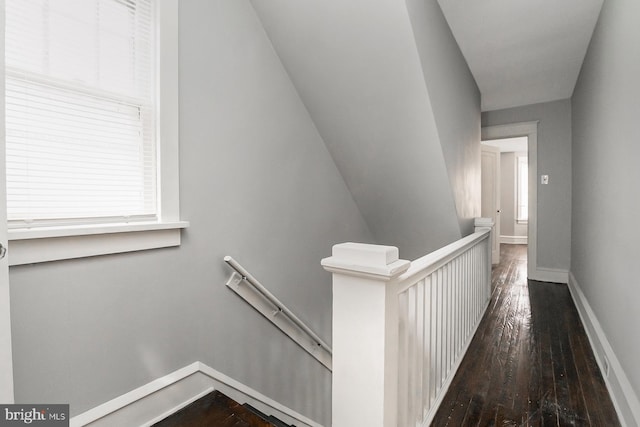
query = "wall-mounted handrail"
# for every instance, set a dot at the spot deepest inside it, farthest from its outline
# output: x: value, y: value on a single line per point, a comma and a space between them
x: 281, y: 308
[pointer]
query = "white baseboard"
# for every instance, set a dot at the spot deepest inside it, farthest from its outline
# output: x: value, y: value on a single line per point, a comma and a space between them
x: 624, y: 397
x: 514, y: 240
x: 160, y: 398
x: 547, y: 274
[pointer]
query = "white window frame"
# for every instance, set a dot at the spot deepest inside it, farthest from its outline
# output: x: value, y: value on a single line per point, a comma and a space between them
x: 27, y: 246
x: 518, y: 197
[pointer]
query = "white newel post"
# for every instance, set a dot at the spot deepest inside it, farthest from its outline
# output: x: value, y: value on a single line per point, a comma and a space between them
x: 482, y: 224
x: 365, y: 334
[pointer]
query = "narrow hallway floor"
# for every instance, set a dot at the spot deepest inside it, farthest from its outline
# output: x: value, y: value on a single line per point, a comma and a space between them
x: 530, y: 362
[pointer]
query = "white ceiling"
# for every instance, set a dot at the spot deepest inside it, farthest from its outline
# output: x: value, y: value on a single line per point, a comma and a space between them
x: 522, y: 51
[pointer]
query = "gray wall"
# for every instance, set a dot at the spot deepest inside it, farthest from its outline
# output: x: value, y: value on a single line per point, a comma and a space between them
x: 359, y: 72
x: 455, y: 100
x: 257, y: 183
x: 554, y: 159
x: 606, y: 177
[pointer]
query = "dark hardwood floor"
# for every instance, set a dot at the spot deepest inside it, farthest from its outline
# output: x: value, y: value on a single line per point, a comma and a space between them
x: 214, y: 410
x: 530, y: 362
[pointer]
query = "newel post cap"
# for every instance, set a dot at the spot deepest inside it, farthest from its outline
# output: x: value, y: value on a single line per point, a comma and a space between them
x: 364, y: 260
x: 483, y: 223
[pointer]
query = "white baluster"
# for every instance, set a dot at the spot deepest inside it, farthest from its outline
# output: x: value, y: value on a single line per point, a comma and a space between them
x: 399, y: 335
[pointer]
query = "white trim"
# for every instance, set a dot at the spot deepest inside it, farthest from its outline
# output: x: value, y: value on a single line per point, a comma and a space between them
x: 513, y: 240
x: 6, y: 355
x: 102, y: 412
x: 45, y: 244
x: 87, y: 230
x: 160, y: 398
x: 624, y: 397
x: 517, y: 163
x: 178, y: 407
x: 57, y: 243
x: 530, y: 130
x: 245, y: 394
x: 371, y: 375
x: 553, y: 275
x: 427, y: 264
x: 168, y: 114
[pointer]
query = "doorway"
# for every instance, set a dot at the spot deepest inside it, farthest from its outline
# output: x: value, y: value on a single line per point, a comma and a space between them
x: 512, y: 212
x: 528, y: 130
x: 491, y: 194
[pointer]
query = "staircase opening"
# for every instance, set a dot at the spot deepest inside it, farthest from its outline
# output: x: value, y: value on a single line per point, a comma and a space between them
x: 218, y: 409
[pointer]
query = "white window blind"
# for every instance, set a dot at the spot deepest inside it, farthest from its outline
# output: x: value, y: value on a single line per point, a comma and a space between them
x: 80, y: 124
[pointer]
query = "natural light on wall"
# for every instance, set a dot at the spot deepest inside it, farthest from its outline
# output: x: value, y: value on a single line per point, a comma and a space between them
x: 80, y: 125
x: 523, y: 189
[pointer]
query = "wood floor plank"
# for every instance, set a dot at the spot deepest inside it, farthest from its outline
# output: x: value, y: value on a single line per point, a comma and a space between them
x: 542, y: 331
x: 530, y: 362
x: 214, y: 410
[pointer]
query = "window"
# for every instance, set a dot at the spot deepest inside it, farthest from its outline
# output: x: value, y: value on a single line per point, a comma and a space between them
x: 80, y: 105
x: 523, y: 189
x: 86, y: 103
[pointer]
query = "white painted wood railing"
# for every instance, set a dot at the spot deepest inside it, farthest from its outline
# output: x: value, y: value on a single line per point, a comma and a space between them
x: 400, y: 328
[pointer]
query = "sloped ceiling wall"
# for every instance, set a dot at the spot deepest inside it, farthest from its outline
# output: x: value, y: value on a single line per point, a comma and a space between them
x: 358, y: 70
x: 455, y: 100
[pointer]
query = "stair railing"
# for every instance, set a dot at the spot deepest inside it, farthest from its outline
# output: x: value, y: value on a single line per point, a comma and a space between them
x: 400, y: 328
x: 259, y: 297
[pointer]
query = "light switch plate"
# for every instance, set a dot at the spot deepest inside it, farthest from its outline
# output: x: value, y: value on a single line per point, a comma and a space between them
x: 544, y: 179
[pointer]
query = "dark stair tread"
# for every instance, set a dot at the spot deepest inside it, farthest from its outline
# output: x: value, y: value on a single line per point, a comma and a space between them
x: 273, y: 420
x: 215, y: 410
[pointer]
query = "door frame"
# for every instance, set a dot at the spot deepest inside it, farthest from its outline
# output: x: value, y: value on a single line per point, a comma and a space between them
x: 530, y: 130
x: 496, y: 207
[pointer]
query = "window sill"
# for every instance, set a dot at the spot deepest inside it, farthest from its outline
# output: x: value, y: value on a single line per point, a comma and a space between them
x: 28, y: 246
